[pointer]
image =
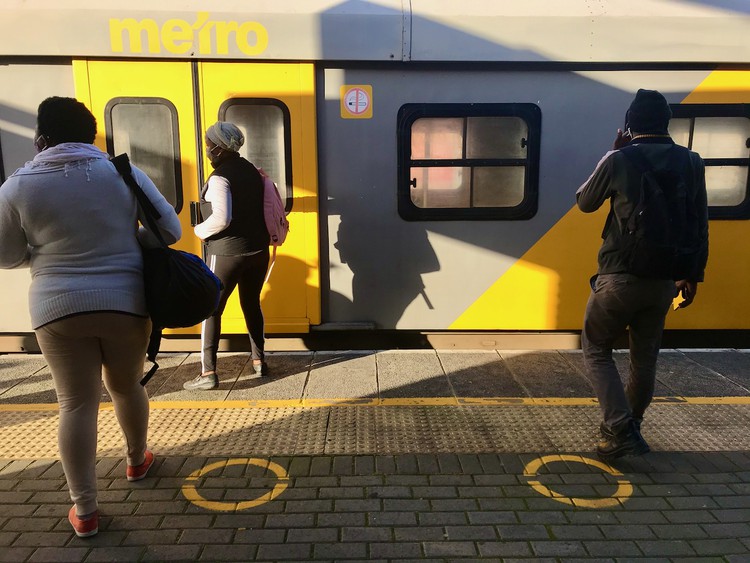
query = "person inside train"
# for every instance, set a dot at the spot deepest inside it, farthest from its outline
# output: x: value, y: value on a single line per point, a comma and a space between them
x: 69, y: 216
x: 655, y: 247
x: 234, y: 231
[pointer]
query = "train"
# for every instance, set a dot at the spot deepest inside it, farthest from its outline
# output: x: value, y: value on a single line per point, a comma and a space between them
x: 428, y: 151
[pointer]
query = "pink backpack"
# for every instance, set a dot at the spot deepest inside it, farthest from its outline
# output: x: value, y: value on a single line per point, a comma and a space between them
x: 274, y: 215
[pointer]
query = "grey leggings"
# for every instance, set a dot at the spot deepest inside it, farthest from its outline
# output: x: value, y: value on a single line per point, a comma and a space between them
x: 79, y: 351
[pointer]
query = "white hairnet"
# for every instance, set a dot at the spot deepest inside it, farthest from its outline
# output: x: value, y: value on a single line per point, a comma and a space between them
x: 226, y: 135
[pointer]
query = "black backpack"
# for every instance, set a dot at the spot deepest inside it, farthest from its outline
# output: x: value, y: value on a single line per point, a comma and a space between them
x: 655, y: 238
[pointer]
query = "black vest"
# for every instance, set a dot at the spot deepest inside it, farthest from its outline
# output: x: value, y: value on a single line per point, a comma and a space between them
x: 246, y: 232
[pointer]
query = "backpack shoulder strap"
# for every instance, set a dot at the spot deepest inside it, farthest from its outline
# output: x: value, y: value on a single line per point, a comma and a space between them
x: 122, y: 164
x: 637, y: 158
x: 679, y: 158
x: 639, y: 161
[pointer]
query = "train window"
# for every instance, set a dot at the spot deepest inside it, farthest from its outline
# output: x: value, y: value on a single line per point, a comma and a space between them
x: 721, y: 135
x: 265, y: 123
x: 146, y: 129
x: 468, y: 161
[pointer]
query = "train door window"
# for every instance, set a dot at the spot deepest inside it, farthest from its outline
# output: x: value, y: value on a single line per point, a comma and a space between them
x: 468, y: 161
x: 146, y: 129
x: 721, y: 135
x: 265, y: 123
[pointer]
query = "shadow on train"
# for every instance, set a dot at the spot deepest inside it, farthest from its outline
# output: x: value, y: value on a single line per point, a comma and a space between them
x: 15, y: 148
x: 384, y: 272
x: 733, y: 5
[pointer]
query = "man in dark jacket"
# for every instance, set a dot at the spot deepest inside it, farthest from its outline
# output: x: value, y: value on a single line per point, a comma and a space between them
x: 620, y: 299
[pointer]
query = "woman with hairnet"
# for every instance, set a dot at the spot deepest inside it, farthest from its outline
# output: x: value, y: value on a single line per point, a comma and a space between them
x: 234, y: 230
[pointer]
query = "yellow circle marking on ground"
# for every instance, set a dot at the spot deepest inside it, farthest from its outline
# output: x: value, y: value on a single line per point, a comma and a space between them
x: 624, y: 488
x: 191, y: 492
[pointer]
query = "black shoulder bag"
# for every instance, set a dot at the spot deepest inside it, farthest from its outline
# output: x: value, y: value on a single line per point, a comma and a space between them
x: 181, y: 290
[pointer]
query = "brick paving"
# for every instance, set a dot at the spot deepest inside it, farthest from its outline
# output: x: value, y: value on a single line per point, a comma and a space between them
x: 444, y: 507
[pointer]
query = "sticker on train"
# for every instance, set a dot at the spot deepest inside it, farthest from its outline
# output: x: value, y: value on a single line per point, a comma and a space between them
x: 356, y: 101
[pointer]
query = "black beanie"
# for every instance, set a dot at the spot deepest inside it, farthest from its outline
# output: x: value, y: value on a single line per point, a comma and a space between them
x: 649, y: 112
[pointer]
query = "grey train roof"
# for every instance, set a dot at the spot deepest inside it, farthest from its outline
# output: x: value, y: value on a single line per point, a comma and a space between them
x: 639, y: 31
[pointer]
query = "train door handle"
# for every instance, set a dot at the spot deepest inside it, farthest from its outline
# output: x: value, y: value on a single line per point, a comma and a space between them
x: 413, y: 182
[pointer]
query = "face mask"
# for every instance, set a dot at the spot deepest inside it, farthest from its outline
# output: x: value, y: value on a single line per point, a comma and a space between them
x: 214, y: 155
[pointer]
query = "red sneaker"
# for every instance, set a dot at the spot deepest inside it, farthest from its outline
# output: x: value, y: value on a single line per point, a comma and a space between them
x: 84, y: 527
x: 138, y: 472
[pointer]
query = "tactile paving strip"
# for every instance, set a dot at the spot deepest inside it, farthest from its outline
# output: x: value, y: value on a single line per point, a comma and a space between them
x: 346, y: 429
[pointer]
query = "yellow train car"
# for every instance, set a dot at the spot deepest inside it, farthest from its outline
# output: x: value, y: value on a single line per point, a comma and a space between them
x: 428, y: 152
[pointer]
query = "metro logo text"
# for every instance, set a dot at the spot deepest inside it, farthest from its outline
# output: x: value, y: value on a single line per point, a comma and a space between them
x: 180, y: 37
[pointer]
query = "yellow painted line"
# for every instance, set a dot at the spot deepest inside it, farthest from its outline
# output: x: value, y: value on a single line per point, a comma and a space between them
x: 33, y: 407
x: 394, y: 402
x: 623, y: 492
x: 716, y: 400
x: 425, y: 401
x: 534, y: 401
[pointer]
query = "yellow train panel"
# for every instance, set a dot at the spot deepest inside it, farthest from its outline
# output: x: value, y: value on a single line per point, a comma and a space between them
x: 291, y: 298
x: 547, y: 288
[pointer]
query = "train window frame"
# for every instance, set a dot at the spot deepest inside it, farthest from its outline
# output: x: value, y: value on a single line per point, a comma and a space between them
x: 693, y: 111
x: 408, y: 114
x: 176, y: 156
x: 287, y: 121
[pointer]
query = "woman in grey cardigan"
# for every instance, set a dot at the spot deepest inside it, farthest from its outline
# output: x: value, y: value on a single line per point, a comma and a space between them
x: 69, y: 216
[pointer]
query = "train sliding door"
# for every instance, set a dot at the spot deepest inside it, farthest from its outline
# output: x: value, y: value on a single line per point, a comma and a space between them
x: 157, y: 112
x: 146, y: 109
x: 274, y: 105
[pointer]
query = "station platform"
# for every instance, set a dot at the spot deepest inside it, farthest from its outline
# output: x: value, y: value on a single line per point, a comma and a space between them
x: 391, y: 455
